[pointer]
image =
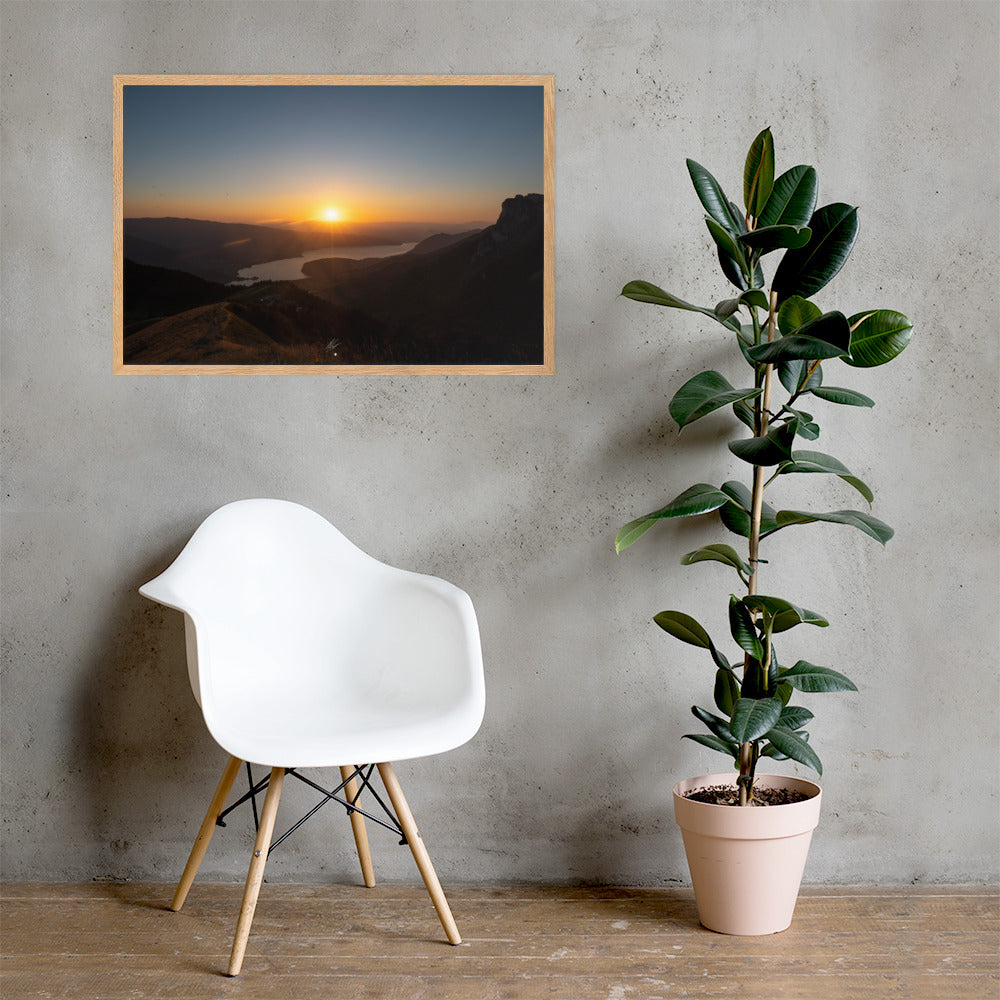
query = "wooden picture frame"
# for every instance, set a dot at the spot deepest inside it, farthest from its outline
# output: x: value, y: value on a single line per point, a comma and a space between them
x: 400, y: 199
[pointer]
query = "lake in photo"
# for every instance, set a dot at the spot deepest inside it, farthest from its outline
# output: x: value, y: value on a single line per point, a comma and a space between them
x: 290, y: 268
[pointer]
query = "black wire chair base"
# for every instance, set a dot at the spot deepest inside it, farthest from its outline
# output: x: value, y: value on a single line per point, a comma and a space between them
x: 362, y: 773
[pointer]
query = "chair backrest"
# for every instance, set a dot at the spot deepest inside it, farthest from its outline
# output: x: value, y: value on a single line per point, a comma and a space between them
x: 251, y: 553
x: 276, y: 576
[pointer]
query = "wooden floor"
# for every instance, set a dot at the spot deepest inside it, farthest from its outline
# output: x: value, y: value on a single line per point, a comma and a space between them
x: 104, y: 941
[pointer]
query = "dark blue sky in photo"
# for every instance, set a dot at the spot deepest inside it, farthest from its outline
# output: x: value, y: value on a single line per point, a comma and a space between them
x: 359, y: 153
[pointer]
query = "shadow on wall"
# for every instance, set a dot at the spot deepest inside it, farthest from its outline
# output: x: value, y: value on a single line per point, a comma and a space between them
x: 626, y: 834
x: 145, y: 744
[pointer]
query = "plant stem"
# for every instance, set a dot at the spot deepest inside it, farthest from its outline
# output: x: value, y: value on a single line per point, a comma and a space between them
x: 763, y: 418
x: 746, y: 773
x: 803, y: 382
x: 766, y: 663
x: 756, y: 507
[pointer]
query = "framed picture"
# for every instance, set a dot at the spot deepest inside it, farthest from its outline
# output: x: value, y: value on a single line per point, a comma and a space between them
x: 333, y: 224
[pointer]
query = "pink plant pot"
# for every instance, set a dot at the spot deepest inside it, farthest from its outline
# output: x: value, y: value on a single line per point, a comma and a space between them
x: 746, y: 862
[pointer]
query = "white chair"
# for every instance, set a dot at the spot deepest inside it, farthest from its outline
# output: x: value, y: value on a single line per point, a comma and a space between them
x: 303, y: 651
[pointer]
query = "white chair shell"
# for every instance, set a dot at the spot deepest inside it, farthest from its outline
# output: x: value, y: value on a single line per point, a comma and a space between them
x: 304, y: 651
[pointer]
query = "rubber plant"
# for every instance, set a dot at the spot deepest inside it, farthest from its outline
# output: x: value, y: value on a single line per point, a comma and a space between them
x: 786, y: 339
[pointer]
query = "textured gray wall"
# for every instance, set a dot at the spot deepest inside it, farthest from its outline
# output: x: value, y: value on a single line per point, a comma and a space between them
x: 513, y: 487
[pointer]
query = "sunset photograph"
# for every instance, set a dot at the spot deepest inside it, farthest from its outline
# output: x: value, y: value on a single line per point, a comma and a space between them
x: 333, y: 224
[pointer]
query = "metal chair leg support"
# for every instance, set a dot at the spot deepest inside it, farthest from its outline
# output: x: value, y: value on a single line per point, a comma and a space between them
x: 204, y: 837
x: 256, y: 873
x: 420, y: 854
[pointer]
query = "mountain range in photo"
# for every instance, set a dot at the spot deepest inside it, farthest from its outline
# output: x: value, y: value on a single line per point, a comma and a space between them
x: 463, y: 294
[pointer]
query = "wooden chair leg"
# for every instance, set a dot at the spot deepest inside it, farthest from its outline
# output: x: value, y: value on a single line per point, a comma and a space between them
x: 358, y: 826
x: 204, y: 837
x: 256, y: 873
x: 420, y: 854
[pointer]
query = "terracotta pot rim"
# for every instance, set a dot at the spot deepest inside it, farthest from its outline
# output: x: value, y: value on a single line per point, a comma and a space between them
x: 764, y: 823
x: 811, y: 788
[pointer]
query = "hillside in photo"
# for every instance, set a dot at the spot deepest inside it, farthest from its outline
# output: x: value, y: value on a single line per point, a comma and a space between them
x: 456, y: 298
x: 478, y: 300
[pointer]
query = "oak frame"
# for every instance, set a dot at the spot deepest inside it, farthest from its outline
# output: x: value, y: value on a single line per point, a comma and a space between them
x: 546, y: 82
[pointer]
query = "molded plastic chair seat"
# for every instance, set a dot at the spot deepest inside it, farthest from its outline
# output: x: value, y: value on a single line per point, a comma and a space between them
x: 304, y: 651
x: 331, y: 728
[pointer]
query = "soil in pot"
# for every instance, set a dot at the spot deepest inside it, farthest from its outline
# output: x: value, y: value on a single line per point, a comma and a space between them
x: 729, y: 795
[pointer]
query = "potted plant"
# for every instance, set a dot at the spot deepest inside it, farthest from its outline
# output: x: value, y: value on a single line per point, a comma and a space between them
x: 785, y: 338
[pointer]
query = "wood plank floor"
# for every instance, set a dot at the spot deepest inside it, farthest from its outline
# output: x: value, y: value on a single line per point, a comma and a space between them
x: 110, y: 941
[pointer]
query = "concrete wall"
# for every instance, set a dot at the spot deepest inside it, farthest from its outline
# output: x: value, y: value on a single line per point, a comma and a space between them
x: 513, y: 487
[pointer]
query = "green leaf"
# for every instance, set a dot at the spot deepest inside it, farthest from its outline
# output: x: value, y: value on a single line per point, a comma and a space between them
x: 741, y: 223
x: 755, y: 297
x: 718, y: 553
x: 724, y: 309
x: 754, y: 685
x: 727, y: 244
x: 771, y: 448
x: 793, y: 198
x: 731, y: 749
x: 784, y: 620
x: 795, y: 312
x: 862, y: 487
x: 815, y: 680
x: 828, y: 336
x: 794, y: 347
x: 745, y: 343
x: 872, y: 526
x: 816, y: 461
x: 736, y: 515
x: 793, y: 374
x: 646, y: 291
x: 744, y: 414
x: 713, y: 198
x: 806, y: 270
x: 770, y: 238
x: 743, y: 630
x: 727, y: 691
x: 878, y: 337
x: 794, y: 746
x: 753, y: 717
x: 720, y: 661
x: 720, y: 727
x: 794, y: 717
x: 683, y: 627
x: 772, y: 751
x: 733, y: 272
x: 631, y: 532
x: 772, y: 607
x: 698, y: 499
x: 704, y: 393
x: 846, y: 397
x: 758, y: 173
x: 738, y: 493
x: 736, y: 520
